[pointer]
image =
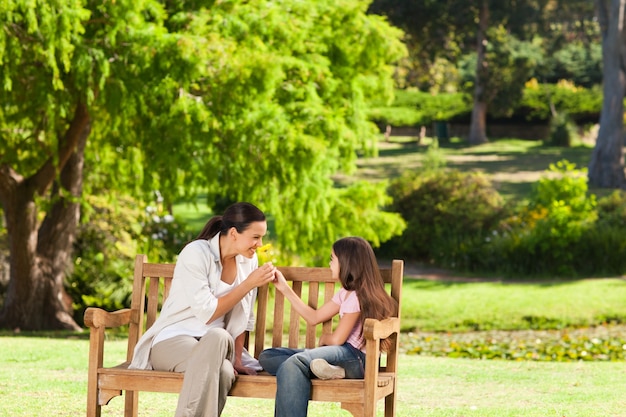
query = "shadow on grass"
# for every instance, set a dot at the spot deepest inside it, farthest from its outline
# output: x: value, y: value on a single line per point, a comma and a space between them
x: 111, y: 334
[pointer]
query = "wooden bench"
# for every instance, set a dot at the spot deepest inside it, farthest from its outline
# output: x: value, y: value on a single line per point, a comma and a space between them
x: 150, y: 288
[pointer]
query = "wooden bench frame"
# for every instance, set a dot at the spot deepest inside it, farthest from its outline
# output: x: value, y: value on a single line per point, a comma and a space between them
x: 358, y: 396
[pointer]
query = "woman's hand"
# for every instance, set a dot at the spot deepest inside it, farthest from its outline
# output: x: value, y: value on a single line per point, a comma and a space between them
x: 243, y: 370
x: 262, y: 275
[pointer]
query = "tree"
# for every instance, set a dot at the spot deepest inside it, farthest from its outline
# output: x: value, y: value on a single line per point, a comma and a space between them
x: 256, y: 101
x: 606, y: 168
x: 454, y: 28
x: 478, y: 124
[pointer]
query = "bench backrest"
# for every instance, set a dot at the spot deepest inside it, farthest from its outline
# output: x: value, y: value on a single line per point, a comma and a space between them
x: 152, y: 283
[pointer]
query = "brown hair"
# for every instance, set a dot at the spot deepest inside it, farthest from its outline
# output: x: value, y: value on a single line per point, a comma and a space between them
x: 238, y: 215
x: 358, y: 271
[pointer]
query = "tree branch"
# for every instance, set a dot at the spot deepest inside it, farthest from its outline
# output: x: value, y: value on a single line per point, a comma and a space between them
x: 67, y: 144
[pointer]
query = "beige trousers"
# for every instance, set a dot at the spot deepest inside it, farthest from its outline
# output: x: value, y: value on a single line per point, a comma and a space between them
x: 208, y: 367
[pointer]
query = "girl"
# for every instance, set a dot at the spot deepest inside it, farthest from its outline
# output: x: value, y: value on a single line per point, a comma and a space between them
x: 202, y: 324
x: 342, y: 353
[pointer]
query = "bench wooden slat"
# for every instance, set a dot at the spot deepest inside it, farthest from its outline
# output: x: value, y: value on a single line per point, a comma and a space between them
x: 151, y: 287
x: 294, y: 319
x: 261, y: 325
x: 311, y: 338
x: 279, y: 312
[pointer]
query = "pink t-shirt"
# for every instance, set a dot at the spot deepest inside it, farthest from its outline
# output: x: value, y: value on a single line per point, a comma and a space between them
x: 349, y: 303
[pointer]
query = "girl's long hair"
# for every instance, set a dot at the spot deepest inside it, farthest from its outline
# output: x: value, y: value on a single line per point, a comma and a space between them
x: 238, y: 215
x: 358, y: 271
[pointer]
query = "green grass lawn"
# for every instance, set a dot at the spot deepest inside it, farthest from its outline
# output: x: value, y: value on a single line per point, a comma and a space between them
x: 512, y: 164
x: 461, y: 306
x: 48, y: 376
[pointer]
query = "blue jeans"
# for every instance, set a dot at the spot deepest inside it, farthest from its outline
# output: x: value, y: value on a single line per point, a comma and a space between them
x: 293, y: 374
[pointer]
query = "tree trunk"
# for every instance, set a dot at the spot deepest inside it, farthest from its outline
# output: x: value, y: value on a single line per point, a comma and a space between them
x: 41, y: 256
x: 606, y: 168
x: 478, y: 126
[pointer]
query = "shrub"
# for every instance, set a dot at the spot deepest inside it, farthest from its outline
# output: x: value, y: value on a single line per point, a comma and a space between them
x: 443, y: 210
x: 581, y: 104
x: 601, y: 249
x: 562, y: 131
x: 562, y: 231
x: 109, y: 237
x: 417, y: 108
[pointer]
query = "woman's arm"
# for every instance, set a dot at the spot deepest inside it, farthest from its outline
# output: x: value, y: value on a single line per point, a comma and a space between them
x: 239, y: 368
x: 257, y: 278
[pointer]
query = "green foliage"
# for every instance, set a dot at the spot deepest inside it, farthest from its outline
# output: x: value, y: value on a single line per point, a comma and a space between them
x: 612, y: 209
x: 580, y: 104
x: 417, y: 108
x: 562, y: 231
x: 111, y: 234
x: 343, y: 206
x: 396, y: 116
x: 558, y: 213
x: 443, y: 208
x: 260, y: 101
x: 434, y: 159
x: 508, y: 65
x: 563, y: 131
x: 572, y: 104
x: 563, y: 346
x: 576, y: 61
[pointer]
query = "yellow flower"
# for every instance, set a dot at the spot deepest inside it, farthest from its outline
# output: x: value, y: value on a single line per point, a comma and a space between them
x: 264, y: 254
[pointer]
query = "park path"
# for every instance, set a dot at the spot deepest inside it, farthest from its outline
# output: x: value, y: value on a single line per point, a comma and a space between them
x: 416, y: 270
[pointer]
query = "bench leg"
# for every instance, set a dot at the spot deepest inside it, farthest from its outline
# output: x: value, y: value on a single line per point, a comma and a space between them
x: 356, y: 409
x: 131, y: 402
x: 390, y: 405
x: 93, y: 408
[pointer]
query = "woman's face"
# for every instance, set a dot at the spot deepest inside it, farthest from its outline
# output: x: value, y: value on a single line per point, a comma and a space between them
x: 250, y: 239
x: 334, y: 265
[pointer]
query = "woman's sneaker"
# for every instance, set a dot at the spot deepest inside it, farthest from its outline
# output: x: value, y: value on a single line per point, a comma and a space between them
x: 324, y: 370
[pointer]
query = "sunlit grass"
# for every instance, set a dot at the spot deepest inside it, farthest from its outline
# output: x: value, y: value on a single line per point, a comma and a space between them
x: 41, y: 376
x: 462, y: 306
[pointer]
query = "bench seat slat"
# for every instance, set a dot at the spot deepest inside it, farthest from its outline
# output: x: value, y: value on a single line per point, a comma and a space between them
x: 250, y: 386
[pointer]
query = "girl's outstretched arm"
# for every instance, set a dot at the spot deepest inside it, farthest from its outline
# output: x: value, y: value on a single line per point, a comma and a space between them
x: 310, y: 315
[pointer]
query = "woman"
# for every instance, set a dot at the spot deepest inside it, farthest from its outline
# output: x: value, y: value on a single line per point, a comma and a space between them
x: 202, y: 325
x: 342, y: 353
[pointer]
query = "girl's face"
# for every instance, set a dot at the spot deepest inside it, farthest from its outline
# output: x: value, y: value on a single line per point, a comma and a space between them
x: 334, y: 265
x: 250, y: 239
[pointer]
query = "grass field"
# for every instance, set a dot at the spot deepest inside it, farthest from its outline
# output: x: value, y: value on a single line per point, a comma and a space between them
x: 461, y: 306
x: 48, y: 376
x: 512, y: 164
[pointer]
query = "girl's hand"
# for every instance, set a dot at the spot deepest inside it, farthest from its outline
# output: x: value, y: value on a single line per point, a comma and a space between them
x: 280, y: 282
x: 325, y: 339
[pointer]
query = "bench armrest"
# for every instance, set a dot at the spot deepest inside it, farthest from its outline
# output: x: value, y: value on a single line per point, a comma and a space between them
x: 380, y: 329
x: 97, y: 317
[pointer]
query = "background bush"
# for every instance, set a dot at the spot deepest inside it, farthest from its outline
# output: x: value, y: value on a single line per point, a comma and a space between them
x: 414, y: 108
x: 458, y: 220
x: 561, y: 232
x: 111, y: 234
x: 444, y: 209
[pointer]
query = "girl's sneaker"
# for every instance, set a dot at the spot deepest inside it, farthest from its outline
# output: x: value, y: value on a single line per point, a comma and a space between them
x: 324, y: 370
